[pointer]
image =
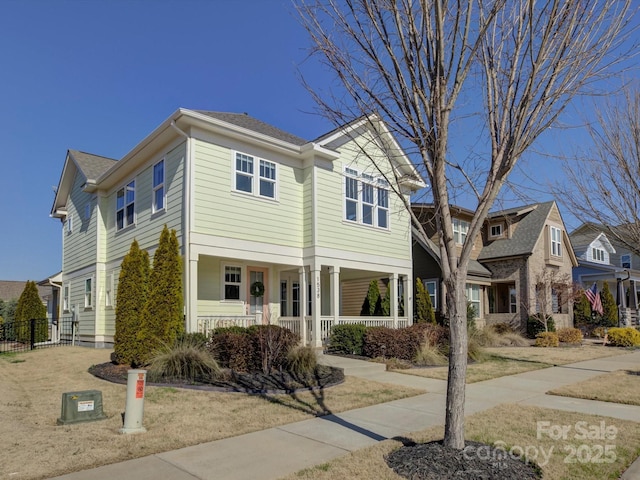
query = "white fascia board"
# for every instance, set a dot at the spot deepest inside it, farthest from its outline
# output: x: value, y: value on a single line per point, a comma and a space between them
x: 59, y: 207
x: 602, y: 237
x: 358, y: 261
x: 316, y: 150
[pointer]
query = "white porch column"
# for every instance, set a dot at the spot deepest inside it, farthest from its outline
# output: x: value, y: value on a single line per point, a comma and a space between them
x: 393, y: 298
x: 408, y: 298
x: 302, y: 308
x: 316, y: 287
x: 334, y: 282
x: 192, y: 296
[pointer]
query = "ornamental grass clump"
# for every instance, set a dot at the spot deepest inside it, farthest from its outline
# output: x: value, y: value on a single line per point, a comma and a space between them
x: 569, y: 335
x: 429, y: 354
x: 547, y: 339
x: 301, y: 360
x: 184, y: 361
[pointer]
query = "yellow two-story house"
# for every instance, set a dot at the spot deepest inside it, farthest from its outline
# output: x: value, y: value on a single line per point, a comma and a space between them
x: 272, y: 228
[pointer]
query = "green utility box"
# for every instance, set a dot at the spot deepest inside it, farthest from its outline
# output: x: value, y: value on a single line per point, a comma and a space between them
x: 84, y: 406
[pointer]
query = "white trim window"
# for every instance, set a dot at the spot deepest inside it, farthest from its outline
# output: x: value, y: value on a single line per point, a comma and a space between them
x: 232, y: 282
x: 246, y: 173
x: 88, y: 293
x: 108, y: 291
x: 66, y: 298
x: 125, y: 205
x: 158, y: 187
x: 473, y: 298
x: 556, y: 241
x: 460, y: 230
x: 625, y: 260
x: 432, y: 290
x: 70, y: 223
x: 366, y: 200
x: 598, y: 255
x: 496, y: 230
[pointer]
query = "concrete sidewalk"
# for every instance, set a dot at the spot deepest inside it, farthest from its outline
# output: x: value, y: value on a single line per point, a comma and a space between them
x: 279, y: 451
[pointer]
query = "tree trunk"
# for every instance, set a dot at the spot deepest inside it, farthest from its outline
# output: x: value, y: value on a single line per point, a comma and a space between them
x: 454, y: 418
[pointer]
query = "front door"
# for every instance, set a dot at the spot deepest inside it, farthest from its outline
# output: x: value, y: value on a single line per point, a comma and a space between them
x: 258, y: 294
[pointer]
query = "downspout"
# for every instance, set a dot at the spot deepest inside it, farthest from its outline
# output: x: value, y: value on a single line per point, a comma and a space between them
x: 186, y: 227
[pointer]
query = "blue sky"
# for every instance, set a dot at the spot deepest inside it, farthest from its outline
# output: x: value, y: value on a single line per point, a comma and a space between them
x: 98, y: 76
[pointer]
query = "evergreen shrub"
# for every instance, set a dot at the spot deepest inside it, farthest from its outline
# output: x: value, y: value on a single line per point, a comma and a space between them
x: 30, y: 307
x: 347, y: 339
x: 535, y: 326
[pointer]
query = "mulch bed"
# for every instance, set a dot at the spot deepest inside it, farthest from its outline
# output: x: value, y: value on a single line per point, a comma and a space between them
x: 433, y: 461
x: 253, y: 383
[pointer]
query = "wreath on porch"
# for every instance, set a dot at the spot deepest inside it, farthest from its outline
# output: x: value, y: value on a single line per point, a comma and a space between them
x: 257, y: 289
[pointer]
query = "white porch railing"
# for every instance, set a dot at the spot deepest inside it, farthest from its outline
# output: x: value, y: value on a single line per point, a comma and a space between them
x: 208, y: 323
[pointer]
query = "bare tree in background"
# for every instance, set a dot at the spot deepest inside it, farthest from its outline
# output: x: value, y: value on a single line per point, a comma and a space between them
x: 516, y: 64
x: 604, y: 184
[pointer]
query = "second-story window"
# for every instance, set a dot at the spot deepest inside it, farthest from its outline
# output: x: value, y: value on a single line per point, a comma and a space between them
x: 556, y: 242
x: 598, y: 255
x: 88, y: 290
x: 460, y: 230
x: 125, y: 205
x: 625, y: 261
x: 366, y: 199
x: 496, y: 230
x: 158, y: 186
x: 246, y: 173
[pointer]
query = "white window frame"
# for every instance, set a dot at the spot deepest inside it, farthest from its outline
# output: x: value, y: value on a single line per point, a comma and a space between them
x: 259, y: 171
x: 130, y: 187
x: 108, y: 291
x: 88, y: 294
x: 556, y: 241
x: 513, y: 300
x: 598, y: 255
x: 226, y: 282
x: 70, y: 223
x: 158, y: 188
x: 368, y: 196
x: 460, y: 230
x: 66, y: 298
x: 434, y: 295
x: 470, y: 290
x: 495, y: 230
x: 622, y: 262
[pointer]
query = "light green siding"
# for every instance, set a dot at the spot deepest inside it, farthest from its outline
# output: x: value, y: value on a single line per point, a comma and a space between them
x: 79, y: 245
x: 85, y: 316
x: 307, y: 206
x: 210, y: 290
x: 221, y: 211
x: 148, y: 225
x: 335, y: 232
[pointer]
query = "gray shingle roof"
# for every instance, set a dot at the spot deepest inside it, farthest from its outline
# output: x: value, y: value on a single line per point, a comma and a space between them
x: 524, y: 237
x: 245, y: 121
x: 92, y: 166
x: 12, y: 289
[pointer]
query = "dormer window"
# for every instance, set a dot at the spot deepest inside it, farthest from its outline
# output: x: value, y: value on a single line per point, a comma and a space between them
x: 495, y: 230
x: 625, y: 261
x: 598, y: 255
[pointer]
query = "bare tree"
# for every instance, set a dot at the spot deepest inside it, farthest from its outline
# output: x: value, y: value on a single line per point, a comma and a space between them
x: 516, y: 64
x: 604, y: 182
x: 553, y: 292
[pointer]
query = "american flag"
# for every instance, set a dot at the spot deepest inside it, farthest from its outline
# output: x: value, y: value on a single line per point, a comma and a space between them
x: 594, y: 298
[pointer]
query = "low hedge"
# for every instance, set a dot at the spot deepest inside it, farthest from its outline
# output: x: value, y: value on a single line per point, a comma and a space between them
x: 535, y: 326
x: 624, y: 337
x: 347, y: 339
x: 401, y: 343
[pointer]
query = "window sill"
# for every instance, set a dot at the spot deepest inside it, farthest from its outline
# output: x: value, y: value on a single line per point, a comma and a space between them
x: 364, y: 225
x: 240, y: 193
x: 158, y: 213
x: 88, y: 309
x: 126, y: 229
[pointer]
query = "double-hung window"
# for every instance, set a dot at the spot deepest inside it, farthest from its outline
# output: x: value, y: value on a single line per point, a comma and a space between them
x: 366, y: 199
x: 125, y: 205
x: 625, y: 260
x: 598, y: 255
x: 158, y: 186
x: 88, y: 297
x: 432, y: 290
x: 473, y: 298
x: 460, y: 230
x: 556, y: 243
x: 246, y: 173
x: 66, y: 304
x: 232, y: 282
x: 70, y: 223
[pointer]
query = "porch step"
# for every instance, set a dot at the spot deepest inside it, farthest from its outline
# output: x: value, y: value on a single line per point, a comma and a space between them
x: 352, y: 366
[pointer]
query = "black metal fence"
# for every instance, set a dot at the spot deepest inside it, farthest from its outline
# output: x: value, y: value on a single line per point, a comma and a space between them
x: 23, y: 335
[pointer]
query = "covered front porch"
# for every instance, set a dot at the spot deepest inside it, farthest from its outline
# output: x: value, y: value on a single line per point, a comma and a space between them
x: 625, y: 286
x: 309, y: 299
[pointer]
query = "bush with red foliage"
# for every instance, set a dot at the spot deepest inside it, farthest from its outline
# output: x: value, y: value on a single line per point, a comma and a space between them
x: 402, y: 343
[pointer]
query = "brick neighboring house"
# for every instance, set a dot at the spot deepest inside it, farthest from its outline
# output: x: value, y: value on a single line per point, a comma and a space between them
x: 523, y: 258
